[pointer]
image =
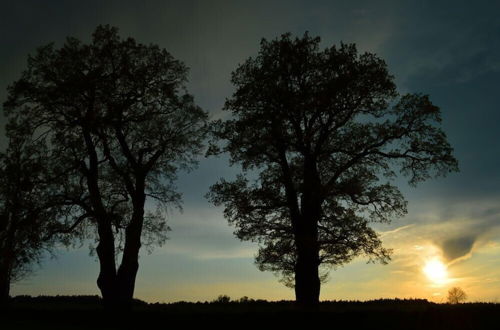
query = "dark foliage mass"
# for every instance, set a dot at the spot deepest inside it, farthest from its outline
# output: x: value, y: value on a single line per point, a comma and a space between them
x: 319, y: 135
x: 28, y: 208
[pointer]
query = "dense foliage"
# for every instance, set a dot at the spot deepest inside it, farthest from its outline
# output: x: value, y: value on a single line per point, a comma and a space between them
x: 319, y: 135
x: 119, y: 125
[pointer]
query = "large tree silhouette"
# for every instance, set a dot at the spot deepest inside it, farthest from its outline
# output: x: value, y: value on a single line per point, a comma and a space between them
x: 319, y: 134
x: 120, y: 125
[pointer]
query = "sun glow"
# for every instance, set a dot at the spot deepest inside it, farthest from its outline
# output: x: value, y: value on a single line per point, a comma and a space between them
x: 436, y: 271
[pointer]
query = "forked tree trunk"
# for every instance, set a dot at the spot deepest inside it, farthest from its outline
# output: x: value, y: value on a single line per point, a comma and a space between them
x: 106, y: 281
x: 117, y: 287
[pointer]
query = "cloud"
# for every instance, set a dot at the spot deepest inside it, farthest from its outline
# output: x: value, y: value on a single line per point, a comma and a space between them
x: 455, y: 248
x: 397, y: 230
x: 202, y: 233
x: 456, y: 230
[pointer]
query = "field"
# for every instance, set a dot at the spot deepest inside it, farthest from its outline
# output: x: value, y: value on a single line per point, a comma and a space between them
x: 86, y: 313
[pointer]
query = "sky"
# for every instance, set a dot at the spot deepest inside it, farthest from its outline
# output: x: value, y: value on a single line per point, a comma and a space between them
x: 447, y: 49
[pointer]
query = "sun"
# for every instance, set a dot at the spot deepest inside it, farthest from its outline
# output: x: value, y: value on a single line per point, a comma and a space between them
x: 436, y: 271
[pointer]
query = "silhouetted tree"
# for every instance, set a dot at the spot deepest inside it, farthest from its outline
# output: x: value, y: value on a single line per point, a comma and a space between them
x: 456, y: 295
x: 222, y: 299
x: 316, y: 132
x: 27, y: 211
x: 120, y: 125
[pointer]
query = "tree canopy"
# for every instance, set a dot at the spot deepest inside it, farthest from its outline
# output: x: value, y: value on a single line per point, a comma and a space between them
x: 456, y: 295
x: 320, y: 134
x: 120, y: 124
x: 28, y: 212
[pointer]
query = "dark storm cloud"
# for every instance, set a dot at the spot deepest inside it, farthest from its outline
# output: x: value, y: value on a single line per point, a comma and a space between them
x: 455, y: 248
x: 467, y: 227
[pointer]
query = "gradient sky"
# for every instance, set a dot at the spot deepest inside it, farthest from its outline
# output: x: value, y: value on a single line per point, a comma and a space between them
x: 447, y: 49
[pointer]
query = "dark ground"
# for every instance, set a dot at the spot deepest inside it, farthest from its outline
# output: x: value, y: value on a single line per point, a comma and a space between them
x: 85, y: 312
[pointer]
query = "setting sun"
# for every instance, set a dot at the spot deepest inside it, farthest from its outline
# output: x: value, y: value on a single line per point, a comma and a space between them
x: 436, y: 271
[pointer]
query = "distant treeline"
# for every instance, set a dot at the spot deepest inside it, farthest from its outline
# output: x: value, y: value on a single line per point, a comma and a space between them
x: 87, y: 312
x: 222, y: 299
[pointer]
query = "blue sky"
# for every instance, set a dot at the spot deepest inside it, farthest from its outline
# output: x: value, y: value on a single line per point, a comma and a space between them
x: 447, y: 49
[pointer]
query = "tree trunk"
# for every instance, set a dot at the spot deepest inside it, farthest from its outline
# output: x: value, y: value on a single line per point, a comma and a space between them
x: 130, y: 264
x: 130, y: 260
x: 307, y: 283
x: 106, y: 280
x: 7, y: 257
x: 4, y: 284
